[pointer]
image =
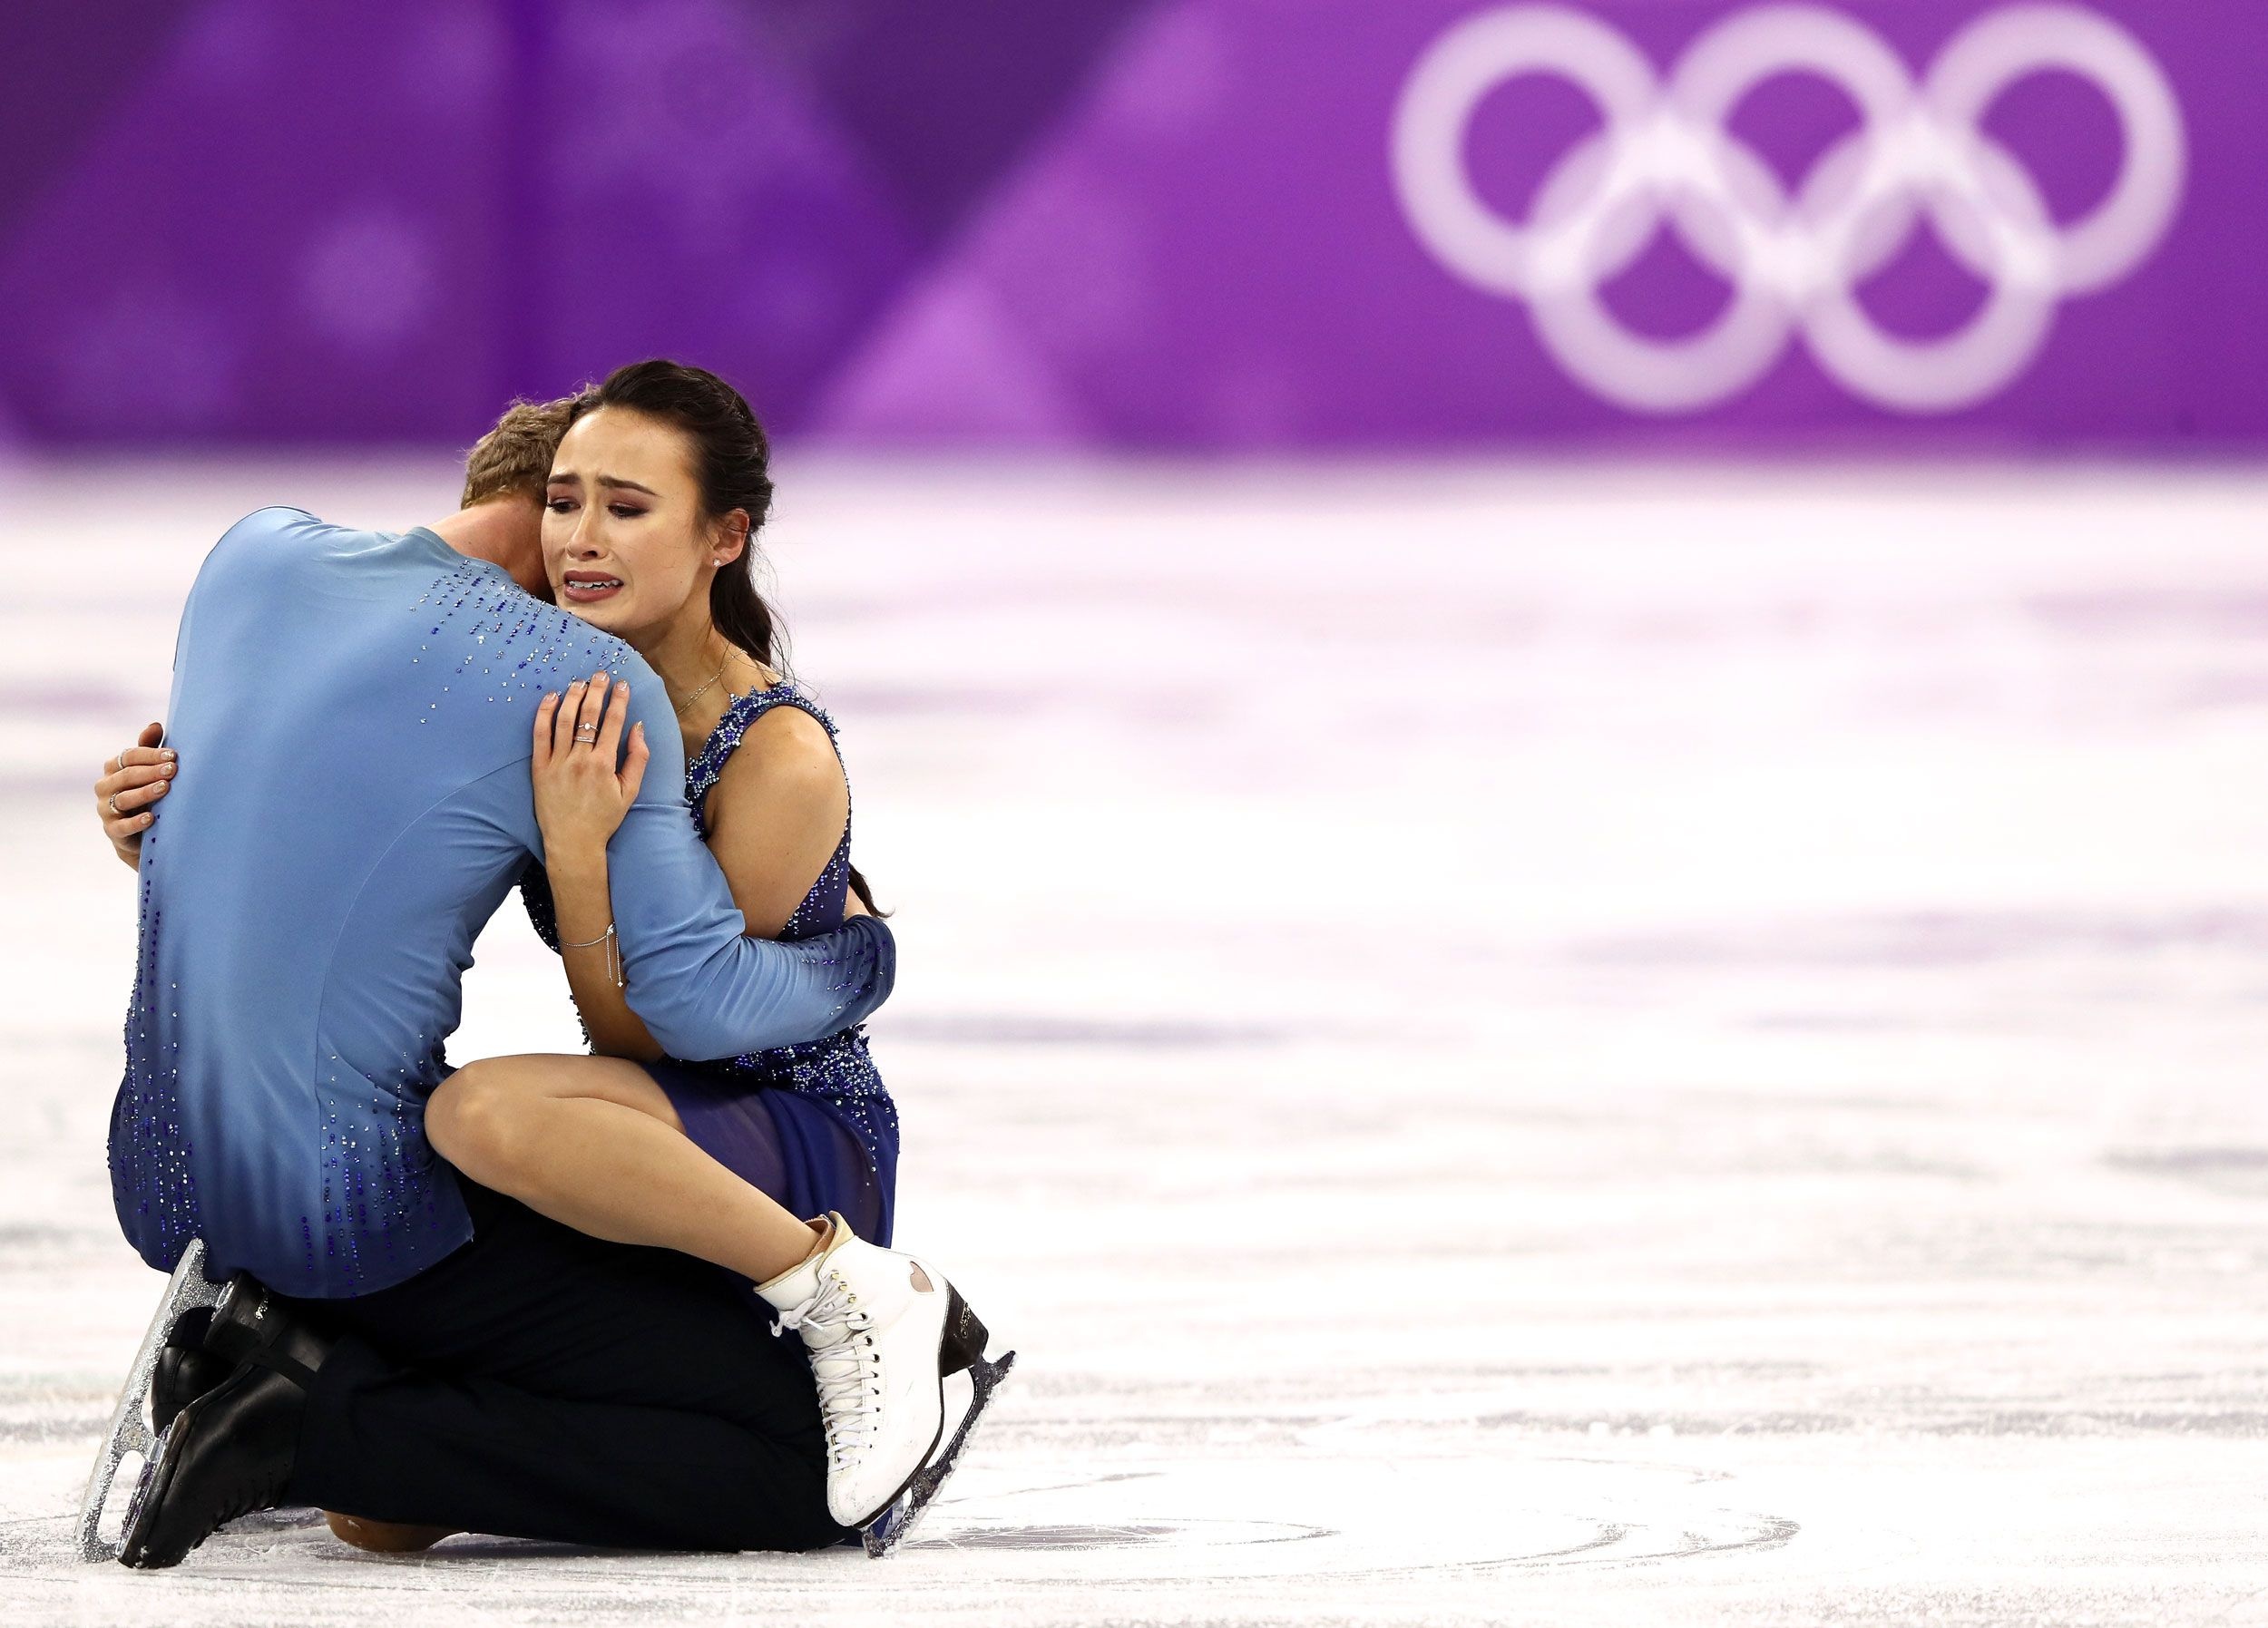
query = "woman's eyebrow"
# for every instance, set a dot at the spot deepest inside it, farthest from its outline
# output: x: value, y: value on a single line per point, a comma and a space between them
x: 627, y: 485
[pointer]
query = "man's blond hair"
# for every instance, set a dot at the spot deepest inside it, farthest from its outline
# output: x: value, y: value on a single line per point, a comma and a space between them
x: 514, y: 459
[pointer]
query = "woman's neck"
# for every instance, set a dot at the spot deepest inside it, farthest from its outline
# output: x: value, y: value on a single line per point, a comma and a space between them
x: 702, y: 671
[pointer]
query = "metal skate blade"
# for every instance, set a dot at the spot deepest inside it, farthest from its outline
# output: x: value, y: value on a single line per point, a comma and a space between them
x: 886, y: 1533
x: 130, y: 1434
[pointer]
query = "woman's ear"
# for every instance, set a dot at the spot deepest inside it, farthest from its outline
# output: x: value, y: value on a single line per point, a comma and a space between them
x: 733, y: 536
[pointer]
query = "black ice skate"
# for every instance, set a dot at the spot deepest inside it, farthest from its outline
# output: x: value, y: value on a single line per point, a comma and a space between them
x: 231, y: 1451
x: 186, y: 1369
x: 187, y: 1300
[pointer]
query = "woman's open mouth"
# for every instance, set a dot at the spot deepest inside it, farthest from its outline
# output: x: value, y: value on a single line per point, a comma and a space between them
x: 588, y: 587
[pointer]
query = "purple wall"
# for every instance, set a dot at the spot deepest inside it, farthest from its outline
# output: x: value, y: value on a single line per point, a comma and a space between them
x: 1177, y: 224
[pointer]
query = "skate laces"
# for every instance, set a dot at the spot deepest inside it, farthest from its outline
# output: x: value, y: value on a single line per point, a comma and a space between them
x: 839, y: 1365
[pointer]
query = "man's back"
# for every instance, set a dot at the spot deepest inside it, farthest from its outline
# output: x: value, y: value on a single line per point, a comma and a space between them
x: 353, y: 712
x: 347, y: 706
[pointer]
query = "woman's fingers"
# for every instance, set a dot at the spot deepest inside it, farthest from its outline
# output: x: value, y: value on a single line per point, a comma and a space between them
x: 582, y: 714
x: 136, y: 778
x: 144, y: 754
x: 127, y: 828
x: 546, y: 711
x: 571, y: 704
x: 611, y: 723
x: 131, y: 782
x: 133, y: 776
x: 119, y: 799
x: 571, y: 709
x: 594, y: 720
x: 145, y: 749
x: 568, y: 719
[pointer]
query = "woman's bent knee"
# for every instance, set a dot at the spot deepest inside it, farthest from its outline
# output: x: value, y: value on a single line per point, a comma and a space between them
x: 476, y: 1120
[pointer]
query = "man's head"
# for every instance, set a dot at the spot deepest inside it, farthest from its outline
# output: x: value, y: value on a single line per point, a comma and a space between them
x: 514, y: 459
x: 501, y: 515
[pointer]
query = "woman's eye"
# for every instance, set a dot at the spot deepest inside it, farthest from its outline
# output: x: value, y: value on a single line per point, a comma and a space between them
x: 558, y: 505
x: 625, y: 511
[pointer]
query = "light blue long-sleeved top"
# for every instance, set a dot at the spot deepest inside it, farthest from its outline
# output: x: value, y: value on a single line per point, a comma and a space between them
x: 353, y: 712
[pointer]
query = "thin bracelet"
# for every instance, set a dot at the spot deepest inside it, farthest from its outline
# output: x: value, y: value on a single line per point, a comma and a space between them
x: 614, y: 952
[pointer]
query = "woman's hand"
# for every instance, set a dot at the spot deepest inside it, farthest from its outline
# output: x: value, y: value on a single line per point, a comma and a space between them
x: 132, y: 781
x: 580, y: 798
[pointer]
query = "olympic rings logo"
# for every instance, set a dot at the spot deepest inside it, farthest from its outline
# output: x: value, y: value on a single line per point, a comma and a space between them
x: 1795, y: 262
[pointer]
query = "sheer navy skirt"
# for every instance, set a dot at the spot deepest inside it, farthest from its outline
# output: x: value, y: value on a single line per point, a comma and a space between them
x: 812, y: 1126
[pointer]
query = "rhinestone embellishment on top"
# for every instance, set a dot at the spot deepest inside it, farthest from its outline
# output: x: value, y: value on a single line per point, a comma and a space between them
x: 519, y: 643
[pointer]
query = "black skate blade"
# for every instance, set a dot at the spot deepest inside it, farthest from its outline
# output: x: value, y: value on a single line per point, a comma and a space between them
x: 887, y: 1531
x: 130, y: 1430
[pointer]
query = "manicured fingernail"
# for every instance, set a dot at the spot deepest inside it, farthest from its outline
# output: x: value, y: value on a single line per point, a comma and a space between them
x: 165, y: 768
x: 625, y: 687
x: 168, y: 751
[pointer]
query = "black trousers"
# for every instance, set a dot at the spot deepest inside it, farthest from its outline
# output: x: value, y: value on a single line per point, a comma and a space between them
x: 540, y: 1383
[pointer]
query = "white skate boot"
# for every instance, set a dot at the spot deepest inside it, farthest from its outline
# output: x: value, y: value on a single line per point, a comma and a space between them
x: 883, y: 1329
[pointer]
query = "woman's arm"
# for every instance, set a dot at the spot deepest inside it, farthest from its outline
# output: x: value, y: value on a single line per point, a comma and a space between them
x: 579, y: 801
x: 776, y: 814
x: 774, y: 825
x: 582, y: 901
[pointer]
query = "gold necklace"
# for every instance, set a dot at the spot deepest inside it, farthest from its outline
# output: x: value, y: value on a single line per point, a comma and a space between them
x: 705, y: 688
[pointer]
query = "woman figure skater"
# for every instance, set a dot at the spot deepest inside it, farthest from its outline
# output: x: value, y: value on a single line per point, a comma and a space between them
x: 655, y: 491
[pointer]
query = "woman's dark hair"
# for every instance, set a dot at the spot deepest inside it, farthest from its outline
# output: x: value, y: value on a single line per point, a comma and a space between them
x: 732, y: 459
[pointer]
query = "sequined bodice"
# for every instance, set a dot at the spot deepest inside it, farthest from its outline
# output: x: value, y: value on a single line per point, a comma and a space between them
x: 837, y: 1063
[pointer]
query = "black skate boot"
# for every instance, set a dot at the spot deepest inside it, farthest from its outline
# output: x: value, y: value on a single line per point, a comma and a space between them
x: 228, y: 1450
x: 185, y: 1369
x: 188, y: 1295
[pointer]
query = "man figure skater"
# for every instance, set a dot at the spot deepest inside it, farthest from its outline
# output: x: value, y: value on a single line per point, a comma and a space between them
x: 355, y: 707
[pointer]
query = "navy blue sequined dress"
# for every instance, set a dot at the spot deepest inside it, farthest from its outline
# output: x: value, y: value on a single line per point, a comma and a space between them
x: 812, y: 1125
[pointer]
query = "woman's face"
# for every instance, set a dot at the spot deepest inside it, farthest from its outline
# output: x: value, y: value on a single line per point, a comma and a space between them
x: 625, y: 543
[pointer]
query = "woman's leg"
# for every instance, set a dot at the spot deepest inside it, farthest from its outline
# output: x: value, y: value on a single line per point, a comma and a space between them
x: 594, y: 1143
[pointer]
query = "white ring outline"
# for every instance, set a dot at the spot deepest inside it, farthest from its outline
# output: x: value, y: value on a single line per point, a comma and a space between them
x: 1664, y: 157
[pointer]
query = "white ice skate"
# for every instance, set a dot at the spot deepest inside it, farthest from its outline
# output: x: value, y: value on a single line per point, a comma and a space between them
x: 883, y: 1329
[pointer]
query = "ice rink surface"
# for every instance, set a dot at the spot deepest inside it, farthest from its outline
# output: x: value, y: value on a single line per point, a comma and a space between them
x: 1555, y: 1045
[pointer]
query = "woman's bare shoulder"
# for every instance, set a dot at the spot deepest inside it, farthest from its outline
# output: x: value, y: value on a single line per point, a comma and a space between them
x: 785, y: 764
